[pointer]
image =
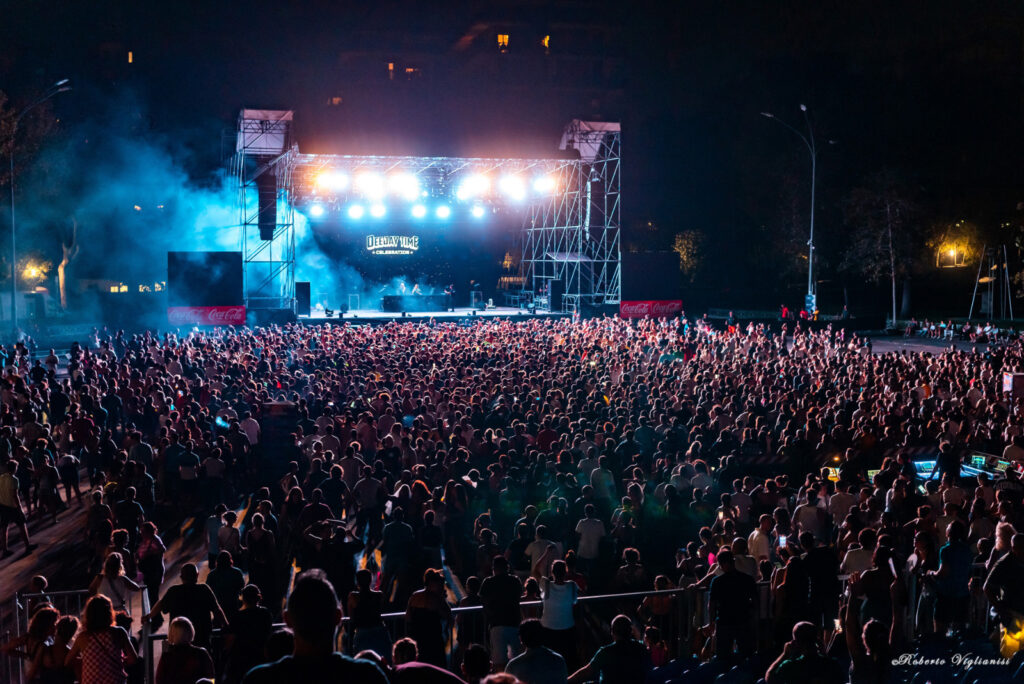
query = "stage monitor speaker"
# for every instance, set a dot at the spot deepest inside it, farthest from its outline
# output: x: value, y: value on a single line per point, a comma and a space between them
x: 266, y: 191
x: 556, y: 288
x: 302, y: 298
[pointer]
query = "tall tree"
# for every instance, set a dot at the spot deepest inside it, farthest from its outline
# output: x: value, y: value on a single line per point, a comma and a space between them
x: 883, y: 237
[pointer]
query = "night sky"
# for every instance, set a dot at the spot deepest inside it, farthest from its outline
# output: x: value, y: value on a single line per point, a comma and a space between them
x: 932, y: 90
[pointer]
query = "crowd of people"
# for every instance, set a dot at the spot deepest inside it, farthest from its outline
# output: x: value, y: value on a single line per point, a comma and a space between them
x: 484, y: 480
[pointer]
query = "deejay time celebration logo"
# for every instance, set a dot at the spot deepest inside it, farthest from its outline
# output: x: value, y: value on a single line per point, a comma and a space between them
x: 392, y: 244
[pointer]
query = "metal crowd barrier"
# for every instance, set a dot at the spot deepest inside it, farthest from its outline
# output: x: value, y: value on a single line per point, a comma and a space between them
x: 16, y: 614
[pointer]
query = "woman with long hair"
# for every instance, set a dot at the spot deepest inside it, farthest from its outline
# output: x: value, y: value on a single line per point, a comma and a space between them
x: 102, y: 647
x: 32, y: 643
x: 113, y: 583
x: 48, y: 667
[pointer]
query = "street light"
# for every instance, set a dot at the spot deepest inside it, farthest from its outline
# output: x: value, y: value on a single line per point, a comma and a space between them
x: 808, y: 141
x: 60, y: 86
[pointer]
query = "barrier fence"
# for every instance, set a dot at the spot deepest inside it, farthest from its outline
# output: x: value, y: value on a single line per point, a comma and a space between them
x: 679, y: 613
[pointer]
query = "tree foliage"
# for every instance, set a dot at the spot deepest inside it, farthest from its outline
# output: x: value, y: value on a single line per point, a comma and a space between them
x: 687, y: 245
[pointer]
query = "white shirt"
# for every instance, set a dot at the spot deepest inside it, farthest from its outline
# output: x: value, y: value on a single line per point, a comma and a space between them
x: 760, y: 544
x: 591, y: 530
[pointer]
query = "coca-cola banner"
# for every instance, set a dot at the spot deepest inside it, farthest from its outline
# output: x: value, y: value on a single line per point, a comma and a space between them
x: 206, y: 315
x: 651, y: 308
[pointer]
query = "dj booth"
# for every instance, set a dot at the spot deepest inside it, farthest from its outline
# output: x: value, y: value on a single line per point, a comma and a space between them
x: 396, y: 303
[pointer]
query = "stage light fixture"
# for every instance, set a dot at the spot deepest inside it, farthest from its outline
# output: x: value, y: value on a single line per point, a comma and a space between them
x: 419, y: 211
x: 356, y: 211
x: 478, y: 211
x: 443, y: 211
x: 333, y: 181
x: 544, y: 185
x: 377, y: 211
x: 371, y: 185
x: 473, y: 185
x: 513, y: 187
x: 316, y: 211
x: 405, y: 185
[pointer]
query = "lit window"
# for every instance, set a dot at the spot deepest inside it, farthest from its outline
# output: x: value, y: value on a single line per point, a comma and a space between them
x: 113, y: 288
x: 333, y: 101
x: 130, y: 57
x: 391, y: 71
x: 123, y: 288
x: 546, y: 42
x: 411, y: 73
x: 503, y: 41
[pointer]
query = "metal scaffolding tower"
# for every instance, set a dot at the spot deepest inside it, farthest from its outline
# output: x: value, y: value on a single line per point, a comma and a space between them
x: 263, y: 164
x: 573, y: 237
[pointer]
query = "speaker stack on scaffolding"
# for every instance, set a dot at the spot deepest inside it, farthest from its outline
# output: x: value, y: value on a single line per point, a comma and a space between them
x: 992, y: 282
x: 267, y: 219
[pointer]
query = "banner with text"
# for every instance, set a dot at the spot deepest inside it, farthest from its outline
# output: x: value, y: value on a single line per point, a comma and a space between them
x: 206, y: 315
x: 650, y: 308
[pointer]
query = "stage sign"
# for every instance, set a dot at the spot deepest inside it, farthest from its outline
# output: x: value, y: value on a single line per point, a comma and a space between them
x: 650, y: 308
x: 206, y: 315
x: 392, y: 244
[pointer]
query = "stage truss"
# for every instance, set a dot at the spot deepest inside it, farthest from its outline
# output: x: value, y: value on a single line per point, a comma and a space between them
x: 263, y: 165
x: 571, y: 236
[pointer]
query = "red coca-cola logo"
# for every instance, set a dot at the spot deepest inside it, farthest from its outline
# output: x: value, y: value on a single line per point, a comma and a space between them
x: 634, y: 309
x: 645, y: 308
x: 206, y: 315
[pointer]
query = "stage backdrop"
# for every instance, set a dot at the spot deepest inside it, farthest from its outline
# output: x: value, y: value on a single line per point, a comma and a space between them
x: 374, y: 256
x: 205, y: 288
x: 651, y: 285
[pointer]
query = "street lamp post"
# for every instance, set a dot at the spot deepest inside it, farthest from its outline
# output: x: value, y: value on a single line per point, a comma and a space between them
x: 808, y: 141
x: 58, y: 87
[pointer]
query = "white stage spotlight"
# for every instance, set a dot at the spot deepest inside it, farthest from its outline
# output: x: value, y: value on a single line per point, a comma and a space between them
x: 356, y: 211
x: 419, y: 211
x: 513, y: 187
x: 478, y: 211
x: 443, y: 211
x: 377, y: 210
x: 316, y: 211
x: 332, y: 181
x: 404, y: 185
x: 371, y: 185
x: 473, y: 185
x: 544, y: 185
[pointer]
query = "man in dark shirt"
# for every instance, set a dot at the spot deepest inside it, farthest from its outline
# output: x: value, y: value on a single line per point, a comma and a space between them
x: 623, y: 661
x: 733, y: 606
x: 1004, y: 588
x: 192, y: 600
x: 822, y: 567
x: 500, y: 595
x: 313, y: 615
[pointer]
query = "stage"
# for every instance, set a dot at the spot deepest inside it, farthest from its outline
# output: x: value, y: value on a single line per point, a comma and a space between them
x: 377, y: 317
